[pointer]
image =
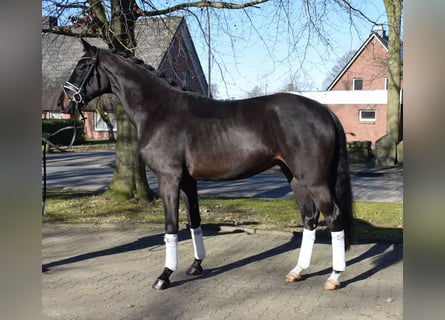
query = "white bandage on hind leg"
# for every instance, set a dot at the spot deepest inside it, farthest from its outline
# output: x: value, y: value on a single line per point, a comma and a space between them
x: 307, y: 246
x: 338, y: 251
x: 334, y: 276
x: 198, y: 243
x: 171, y: 251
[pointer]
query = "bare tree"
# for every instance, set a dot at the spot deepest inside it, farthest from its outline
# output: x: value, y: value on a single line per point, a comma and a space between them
x: 337, y: 68
x: 255, y: 92
x: 114, y: 21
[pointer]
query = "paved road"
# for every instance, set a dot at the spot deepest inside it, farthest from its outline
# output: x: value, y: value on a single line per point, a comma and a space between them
x: 106, y: 272
x: 93, y: 171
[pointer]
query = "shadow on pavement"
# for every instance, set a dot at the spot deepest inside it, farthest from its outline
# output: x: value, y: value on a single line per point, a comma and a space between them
x: 382, y: 258
x: 139, y: 244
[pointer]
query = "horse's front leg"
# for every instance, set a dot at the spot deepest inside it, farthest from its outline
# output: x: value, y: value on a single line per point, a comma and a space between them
x: 169, y: 189
x: 189, y: 190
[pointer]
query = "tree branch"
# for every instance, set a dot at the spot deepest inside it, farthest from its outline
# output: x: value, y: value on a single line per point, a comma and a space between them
x: 75, y: 5
x: 201, y: 4
x: 357, y: 11
x: 68, y: 31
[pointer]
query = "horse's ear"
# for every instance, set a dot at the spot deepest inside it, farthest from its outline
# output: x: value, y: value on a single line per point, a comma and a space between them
x: 88, y: 47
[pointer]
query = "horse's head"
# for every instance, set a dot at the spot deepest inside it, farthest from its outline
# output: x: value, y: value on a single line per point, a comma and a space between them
x: 86, y: 82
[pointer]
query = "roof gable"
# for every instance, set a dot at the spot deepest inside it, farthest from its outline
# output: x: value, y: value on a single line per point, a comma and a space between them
x: 154, y: 36
x: 374, y: 35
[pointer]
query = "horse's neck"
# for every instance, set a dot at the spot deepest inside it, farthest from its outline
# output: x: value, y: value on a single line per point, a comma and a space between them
x: 131, y: 85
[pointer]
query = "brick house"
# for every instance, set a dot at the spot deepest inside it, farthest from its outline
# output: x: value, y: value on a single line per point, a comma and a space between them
x: 164, y: 43
x: 358, y: 95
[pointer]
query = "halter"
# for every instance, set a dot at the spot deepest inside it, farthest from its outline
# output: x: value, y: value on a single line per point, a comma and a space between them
x: 76, y: 96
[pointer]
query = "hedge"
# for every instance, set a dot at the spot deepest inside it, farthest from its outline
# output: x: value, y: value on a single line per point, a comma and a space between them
x: 64, y: 137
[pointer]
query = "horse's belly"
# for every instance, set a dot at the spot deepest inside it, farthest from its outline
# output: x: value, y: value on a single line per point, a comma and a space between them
x: 228, y: 166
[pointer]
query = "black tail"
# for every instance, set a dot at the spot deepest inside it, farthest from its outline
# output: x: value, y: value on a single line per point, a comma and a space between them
x: 343, y: 190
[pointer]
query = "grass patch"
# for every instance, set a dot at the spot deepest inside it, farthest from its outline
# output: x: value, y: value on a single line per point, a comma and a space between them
x: 373, y: 219
x: 70, y: 206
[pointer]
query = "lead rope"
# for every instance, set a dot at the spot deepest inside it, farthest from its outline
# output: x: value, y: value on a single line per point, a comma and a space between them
x: 46, y: 141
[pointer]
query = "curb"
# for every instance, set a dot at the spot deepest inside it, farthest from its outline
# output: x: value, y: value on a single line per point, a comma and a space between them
x: 378, y: 172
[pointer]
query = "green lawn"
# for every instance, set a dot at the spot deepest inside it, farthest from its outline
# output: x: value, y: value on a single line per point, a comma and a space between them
x: 373, y: 219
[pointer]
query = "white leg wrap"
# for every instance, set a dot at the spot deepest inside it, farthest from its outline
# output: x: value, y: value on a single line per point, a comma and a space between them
x: 198, y: 243
x: 338, y: 251
x: 334, y: 276
x: 171, y: 251
x: 307, y: 245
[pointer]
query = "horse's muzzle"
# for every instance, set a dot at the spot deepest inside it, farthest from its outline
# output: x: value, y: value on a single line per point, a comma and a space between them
x: 65, y: 104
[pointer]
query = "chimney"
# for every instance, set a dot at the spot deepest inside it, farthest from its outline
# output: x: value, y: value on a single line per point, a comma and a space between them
x: 48, y: 22
x: 378, y: 29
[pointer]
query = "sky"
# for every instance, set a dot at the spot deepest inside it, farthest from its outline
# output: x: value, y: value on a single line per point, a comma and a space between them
x: 259, y: 47
x: 274, y: 44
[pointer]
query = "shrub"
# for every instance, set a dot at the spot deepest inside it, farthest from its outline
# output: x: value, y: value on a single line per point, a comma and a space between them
x: 63, y: 137
x: 360, y: 152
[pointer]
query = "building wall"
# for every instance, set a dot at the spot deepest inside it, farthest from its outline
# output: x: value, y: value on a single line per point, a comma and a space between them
x: 357, y: 130
x: 346, y: 104
x: 89, y: 131
x: 370, y: 65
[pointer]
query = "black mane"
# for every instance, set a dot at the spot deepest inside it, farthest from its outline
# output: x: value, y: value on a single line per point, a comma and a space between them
x: 148, y: 67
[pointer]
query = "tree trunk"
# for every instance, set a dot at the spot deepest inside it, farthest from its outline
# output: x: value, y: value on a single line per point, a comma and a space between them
x: 129, y: 178
x: 388, y: 148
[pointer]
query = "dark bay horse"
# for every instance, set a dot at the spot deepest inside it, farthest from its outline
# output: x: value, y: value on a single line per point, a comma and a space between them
x: 185, y: 137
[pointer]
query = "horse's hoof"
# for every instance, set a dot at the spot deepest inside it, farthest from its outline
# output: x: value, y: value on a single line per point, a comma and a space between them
x: 161, y: 284
x: 290, y: 277
x: 331, y: 285
x: 194, y: 270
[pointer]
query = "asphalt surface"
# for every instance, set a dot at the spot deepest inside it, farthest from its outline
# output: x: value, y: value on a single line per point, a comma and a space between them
x: 106, y: 271
x: 93, y: 171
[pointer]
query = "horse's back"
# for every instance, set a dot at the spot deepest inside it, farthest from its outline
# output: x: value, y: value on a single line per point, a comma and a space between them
x: 295, y: 125
x: 240, y: 138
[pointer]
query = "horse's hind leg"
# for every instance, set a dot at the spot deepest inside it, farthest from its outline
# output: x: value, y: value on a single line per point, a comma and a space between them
x: 324, y: 200
x: 310, y: 215
x: 189, y: 194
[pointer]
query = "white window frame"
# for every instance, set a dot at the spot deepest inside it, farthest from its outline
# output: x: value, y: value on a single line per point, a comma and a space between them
x: 100, y: 125
x: 56, y: 115
x: 365, y: 119
x: 353, y: 83
x: 386, y: 84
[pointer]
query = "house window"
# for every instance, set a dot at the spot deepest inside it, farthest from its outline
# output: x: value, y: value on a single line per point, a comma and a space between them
x: 367, y: 115
x: 186, y: 80
x: 386, y: 83
x: 357, y: 84
x: 99, y: 123
x: 56, y: 115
